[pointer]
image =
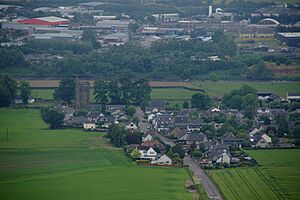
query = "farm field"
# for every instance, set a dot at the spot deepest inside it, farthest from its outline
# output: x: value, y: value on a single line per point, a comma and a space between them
x: 172, y: 93
x: 277, y: 177
x: 211, y: 88
x: 38, y: 163
x: 223, y: 87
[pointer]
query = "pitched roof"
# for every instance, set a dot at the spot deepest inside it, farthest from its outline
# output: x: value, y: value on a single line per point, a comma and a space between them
x: 196, y: 137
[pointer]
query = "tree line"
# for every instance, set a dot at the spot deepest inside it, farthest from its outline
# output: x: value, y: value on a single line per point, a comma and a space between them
x: 10, y: 88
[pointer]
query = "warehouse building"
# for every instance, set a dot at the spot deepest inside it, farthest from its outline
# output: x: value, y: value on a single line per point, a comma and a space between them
x: 290, y: 39
x: 50, y: 21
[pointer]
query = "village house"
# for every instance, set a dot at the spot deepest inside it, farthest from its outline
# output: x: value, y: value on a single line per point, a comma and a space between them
x: 148, y: 136
x: 132, y: 127
x: 94, y: 116
x: 90, y: 126
x: 163, y: 160
x: 147, y: 152
x: 115, y: 109
x: 231, y: 140
x: 107, y: 120
x: 261, y: 140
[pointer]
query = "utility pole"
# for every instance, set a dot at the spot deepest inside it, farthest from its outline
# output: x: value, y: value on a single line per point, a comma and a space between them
x: 6, y: 133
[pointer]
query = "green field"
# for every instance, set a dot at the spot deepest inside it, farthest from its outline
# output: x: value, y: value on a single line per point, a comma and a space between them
x: 43, y: 93
x: 211, y: 88
x: 38, y: 163
x: 278, y: 177
x: 172, y: 93
x: 222, y: 87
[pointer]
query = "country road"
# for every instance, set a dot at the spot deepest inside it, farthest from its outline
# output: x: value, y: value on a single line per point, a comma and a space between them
x: 209, y: 186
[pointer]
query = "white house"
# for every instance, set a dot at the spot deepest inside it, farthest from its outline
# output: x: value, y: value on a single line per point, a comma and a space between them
x: 224, y: 158
x: 151, y: 117
x: 262, y: 141
x: 131, y: 126
x: 147, y: 137
x: 163, y: 160
x: 147, y: 153
x: 89, y: 126
x: 215, y: 110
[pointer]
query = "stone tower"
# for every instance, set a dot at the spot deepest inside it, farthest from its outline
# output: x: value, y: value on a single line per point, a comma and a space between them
x: 82, y: 94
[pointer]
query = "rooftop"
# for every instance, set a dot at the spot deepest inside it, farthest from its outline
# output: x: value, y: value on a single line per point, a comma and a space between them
x: 290, y: 34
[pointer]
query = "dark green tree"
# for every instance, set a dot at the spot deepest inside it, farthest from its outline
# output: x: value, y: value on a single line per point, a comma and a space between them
x: 130, y: 111
x: 65, y: 90
x: 179, y: 150
x: 52, y: 117
x: 200, y: 101
x: 185, y: 104
x: 8, y: 90
x: 25, y: 91
x: 101, y: 90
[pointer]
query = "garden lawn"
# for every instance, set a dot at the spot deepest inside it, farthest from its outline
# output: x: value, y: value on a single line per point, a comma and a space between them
x: 38, y: 163
x: 278, y: 177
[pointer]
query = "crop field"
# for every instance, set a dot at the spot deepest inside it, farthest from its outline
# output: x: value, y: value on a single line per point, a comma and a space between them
x: 38, y: 163
x: 277, y: 177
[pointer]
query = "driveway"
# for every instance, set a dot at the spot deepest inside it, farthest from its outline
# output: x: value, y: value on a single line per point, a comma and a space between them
x: 209, y: 186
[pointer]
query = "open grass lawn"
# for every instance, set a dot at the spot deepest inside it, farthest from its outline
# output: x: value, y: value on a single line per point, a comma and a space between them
x: 37, y: 163
x: 278, y: 177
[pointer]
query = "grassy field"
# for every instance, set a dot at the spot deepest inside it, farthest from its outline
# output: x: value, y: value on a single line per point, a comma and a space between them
x: 223, y: 87
x: 172, y: 93
x: 43, y: 93
x: 211, y: 88
x: 37, y: 163
x: 278, y: 177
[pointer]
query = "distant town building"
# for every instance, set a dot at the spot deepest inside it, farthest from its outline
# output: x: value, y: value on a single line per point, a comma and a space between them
x: 52, y: 21
x: 82, y: 94
x: 290, y: 39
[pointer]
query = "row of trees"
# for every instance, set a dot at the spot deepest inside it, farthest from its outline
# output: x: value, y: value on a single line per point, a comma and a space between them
x: 9, y: 89
x: 171, y: 60
x: 118, y: 91
x: 122, y: 91
x: 120, y: 136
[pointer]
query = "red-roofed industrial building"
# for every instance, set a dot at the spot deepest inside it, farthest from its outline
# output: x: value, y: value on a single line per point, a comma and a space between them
x: 52, y: 21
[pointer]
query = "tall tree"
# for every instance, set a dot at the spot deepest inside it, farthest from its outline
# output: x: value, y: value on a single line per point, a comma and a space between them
x: 8, y: 90
x: 65, y: 91
x: 25, y: 91
x: 52, y: 117
x: 200, y: 101
x: 101, y: 89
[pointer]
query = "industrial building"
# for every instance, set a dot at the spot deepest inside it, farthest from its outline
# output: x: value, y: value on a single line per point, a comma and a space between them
x: 52, y: 21
x: 290, y: 38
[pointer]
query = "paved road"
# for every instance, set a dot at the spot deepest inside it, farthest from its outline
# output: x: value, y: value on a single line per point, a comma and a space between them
x: 210, y: 187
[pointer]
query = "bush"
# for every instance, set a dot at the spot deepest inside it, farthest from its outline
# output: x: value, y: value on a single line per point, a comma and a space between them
x: 52, y: 117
